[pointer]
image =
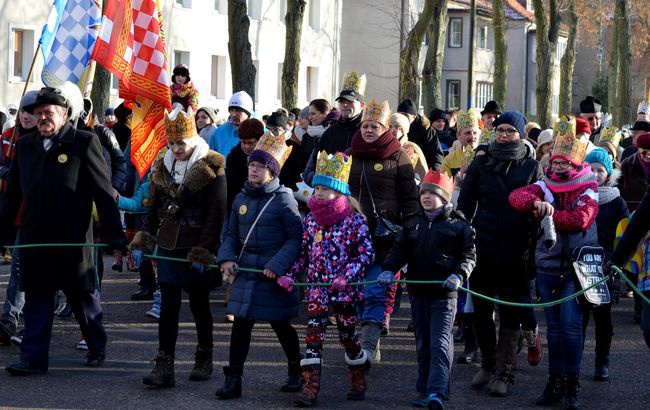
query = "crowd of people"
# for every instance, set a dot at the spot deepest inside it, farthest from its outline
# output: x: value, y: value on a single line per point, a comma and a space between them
x: 345, y: 199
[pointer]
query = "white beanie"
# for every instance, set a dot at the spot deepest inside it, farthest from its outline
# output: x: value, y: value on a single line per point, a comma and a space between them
x: 241, y: 100
x: 545, y: 137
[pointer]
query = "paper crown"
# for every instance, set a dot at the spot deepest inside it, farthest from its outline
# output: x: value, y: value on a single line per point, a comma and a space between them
x: 566, y: 144
x: 275, y: 146
x: 354, y: 82
x: 644, y: 107
x: 333, y: 171
x: 486, y: 137
x: 611, y: 135
x: 468, y: 119
x: 439, y: 182
x: 377, y: 112
x: 180, y: 125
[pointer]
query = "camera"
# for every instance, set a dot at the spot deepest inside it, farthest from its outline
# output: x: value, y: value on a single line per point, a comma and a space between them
x: 172, y: 208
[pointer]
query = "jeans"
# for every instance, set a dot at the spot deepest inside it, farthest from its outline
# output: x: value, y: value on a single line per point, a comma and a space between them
x: 374, y: 306
x: 434, y: 322
x: 563, y: 322
x: 15, y: 299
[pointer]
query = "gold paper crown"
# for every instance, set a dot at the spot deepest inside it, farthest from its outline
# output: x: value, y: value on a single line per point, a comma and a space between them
x: 179, y: 125
x: 566, y: 143
x: 486, y: 137
x: 355, y: 82
x: 468, y: 119
x: 276, y: 146
x: 377, y: 112
x: 335, y: 166
x: 611, y: 135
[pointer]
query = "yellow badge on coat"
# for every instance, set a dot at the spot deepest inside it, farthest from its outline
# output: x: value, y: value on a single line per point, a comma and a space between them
x: 243, y: 209
x: 378, y: 167
x: 318, y: 237
x: 62, y: 158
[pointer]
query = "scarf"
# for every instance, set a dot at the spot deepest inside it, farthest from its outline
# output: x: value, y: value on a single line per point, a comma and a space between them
x: 385, y: 146
x: 502, y: 154
x: 329, y: 212
x: 178, y: 169
x: 432, y: 215
x: 182, y: 90
x: 577, y: 179
x: 607, y: 194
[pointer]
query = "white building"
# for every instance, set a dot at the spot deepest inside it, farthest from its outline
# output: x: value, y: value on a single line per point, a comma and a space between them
x: 197, y: 35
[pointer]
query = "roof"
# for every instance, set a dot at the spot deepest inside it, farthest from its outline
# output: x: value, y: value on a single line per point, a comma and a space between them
x: 513, y: 9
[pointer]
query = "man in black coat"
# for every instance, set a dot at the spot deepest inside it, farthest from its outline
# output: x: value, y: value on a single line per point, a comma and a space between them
x: 57, y: 174
x: 421, y: 133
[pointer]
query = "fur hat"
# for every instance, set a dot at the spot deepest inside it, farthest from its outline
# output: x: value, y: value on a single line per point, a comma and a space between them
x: 599, y: 155
x: 251, y: 128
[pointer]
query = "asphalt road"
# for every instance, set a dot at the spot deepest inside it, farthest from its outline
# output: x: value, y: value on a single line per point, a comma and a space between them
x: 133, y: 344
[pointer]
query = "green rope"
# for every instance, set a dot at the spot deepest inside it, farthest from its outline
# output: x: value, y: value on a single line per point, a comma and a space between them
x: 629, y: 282
x: 57, y: 245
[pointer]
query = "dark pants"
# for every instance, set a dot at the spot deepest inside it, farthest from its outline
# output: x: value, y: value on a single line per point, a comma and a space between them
x: 240, y: 341
x: 645, y: 322
x: 604, y: 329
x: 169, y: 311
x: 434, y: 322
x: 147, y: 276
x: 39, y: 313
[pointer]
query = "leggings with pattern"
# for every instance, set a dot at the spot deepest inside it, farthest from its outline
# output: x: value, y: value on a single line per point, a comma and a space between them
x: 346, y: 322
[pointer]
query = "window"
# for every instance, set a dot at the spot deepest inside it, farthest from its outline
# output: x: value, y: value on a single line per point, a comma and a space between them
x: 256, y: 63
x: 186, y: 4
x: 282, y: 10
x: 22, y: 52
x: 279, y: 90
x: 483, y: 94
x: 221, y: 6
x: 115, y: 84
x: 254, y: 9
x: 560, y: 49
x: 181, y: 57
x: 453, y: 93
x: 455, y: 39
x: 312, y: 83
x: 218, y: 77
x: 483, y: 39
x: 314, y: 15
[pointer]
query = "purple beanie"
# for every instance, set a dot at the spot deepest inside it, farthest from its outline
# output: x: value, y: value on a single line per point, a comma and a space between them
x: 267, y: 160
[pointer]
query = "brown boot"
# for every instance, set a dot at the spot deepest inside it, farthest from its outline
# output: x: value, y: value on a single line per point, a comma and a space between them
x: 357, y: 370
x: 202, y: 364
x: 311, y: 369
x: 505, y: 360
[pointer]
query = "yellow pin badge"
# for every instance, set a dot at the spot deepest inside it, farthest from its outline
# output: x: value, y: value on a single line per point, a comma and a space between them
x: 62, y: 158
x: 378, y: 167
x: 243, y: 209
x: 318, y: 237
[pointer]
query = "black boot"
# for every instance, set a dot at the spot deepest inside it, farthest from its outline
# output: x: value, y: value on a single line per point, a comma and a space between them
x: 202, y: 364
x: 231, y: 388
x: 572, y: 384
x: 294, y: 381
x: 162, y: 374
x: 602, y: 369
x: 553, y: 391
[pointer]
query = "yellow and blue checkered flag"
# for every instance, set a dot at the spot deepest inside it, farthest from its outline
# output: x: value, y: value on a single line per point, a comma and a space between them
x: 68, y: 39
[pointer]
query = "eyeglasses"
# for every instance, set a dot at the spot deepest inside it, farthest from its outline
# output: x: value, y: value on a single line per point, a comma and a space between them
x: 276, y: 130
x: 560, y: 164
x: 510, y: 132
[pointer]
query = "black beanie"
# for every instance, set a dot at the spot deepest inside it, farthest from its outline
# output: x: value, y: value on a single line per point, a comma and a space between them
x: 408, y: 107
x: 277, y: 119
x: 437, y: 114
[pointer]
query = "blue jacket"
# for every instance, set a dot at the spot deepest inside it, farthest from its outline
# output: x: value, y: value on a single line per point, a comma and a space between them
x: 139, y: 202
x: 274, y: 244
x: 224, y: 139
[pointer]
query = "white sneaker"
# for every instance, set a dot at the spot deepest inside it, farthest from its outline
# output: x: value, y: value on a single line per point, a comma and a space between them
x: 154, y: 313
x: 82, y: 345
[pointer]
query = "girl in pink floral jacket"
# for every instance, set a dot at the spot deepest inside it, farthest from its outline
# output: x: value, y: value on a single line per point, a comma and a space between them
x: 337, y: 250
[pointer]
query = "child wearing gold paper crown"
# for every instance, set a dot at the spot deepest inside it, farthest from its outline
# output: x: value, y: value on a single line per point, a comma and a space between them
x: 438, y: 244
x: 568, y: 193
x: 337, y: 249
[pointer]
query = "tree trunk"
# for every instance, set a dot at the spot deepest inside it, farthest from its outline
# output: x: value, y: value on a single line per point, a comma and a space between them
x: 547, y: 34
x: 500, y: 53
x: 612, y: 74
x: 432, y: 70
x: 568, y: 61
x: 291, y: 66
x: 624, y: 47
x: 410, y: 55
x: 239, y: 48
x: 101, y: 92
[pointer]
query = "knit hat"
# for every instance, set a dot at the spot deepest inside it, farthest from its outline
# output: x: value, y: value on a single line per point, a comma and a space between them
x: 29, y: 98
x: 332, y: 117
x: 643, y: 141
x: 333, y: 171
x: 534, y: 133
x: 590, y: 105
x: 241, y: 100
x: 514, y: 118
x: 122, y: 111
x: 407, y: 107
x: 545, y: 137
x: 277, y: 120
x: 437, y: 114
x: 109, y: 111
x: 600, y: 156
x: 271, y: 151
x: 250, y: 129
x: 440, y: 183
x: 403, y: 122
x: 582, y: 126
x: 304, y: 113
x: 493, y: 106
x: 210, y: 112
x: 183, y: 70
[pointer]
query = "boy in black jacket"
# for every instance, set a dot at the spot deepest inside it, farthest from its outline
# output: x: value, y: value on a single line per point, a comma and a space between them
x: 438, y: 245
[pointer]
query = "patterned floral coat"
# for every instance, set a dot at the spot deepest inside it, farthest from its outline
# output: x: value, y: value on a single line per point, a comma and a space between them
x: 343, y: 249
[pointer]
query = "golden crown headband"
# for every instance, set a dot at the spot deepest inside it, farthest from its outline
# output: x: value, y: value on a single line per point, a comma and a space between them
x: 375, y: 111
x: 180, y: 125
x: 333, y: 171
x: 469, y: 119
x: 566, y: 144
x: 276, y: 146
x: 354, y: 82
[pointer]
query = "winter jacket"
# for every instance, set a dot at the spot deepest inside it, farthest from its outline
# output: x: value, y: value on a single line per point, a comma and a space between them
x: 574, y: 218
x: 433, y: 250
x: 139, y: 202
x: 636, y: 232
x: 236, y: 173
x: 122, y: 133
x: 500, y: 230
x: 187, y: 95
x: 291, y: 170
x: 633, y: 183
x: 114, y: 158
x: 611, y: 210
x: 274, y: 244
x: 224, y: 139
x: 392, y: 183
x: 457, y: 159
x: 327, y: 252
x: 427, y: 139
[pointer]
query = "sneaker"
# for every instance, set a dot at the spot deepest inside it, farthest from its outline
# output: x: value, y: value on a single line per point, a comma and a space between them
x: 82, y: 345
x: 64, y: 310
x: 154, y: 312
x: 421, y: 401
x: 17, y: 340
x: 143, y: 294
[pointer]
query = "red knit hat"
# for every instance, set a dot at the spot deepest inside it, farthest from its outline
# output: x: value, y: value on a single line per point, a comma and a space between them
x: 643, y: 141
x: 440, y: 183
x: 582, y: 125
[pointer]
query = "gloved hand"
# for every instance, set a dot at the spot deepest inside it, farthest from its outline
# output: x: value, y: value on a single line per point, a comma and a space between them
x: 339, y: 283
x: 137, y: 256
x: 198, y: 267
x: 385, y: 278
x: 286, y: 283
x: 452, y: 282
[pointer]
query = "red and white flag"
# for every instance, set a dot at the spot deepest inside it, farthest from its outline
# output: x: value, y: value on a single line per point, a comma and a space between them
x: 131, y: 45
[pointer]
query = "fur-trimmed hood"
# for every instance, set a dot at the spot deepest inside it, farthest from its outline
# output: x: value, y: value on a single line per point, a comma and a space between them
x: 198, y: 176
